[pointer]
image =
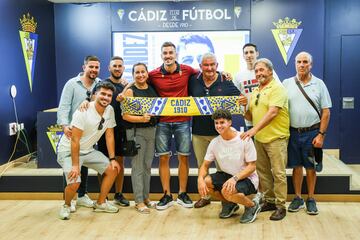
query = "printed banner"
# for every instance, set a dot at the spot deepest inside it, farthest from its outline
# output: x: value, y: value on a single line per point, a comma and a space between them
x: 145, y: 47
x: 181, y: 16
x: 184, y: 106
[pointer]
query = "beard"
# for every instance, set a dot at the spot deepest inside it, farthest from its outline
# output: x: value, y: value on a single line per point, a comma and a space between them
x: 116, y: 77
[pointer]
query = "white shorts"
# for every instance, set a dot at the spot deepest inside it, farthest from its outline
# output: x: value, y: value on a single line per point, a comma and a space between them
x: 94, y: 159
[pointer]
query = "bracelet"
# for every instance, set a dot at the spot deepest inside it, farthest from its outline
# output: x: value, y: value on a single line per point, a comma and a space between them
x: 235, y: 178
x: 322, y: 133
x: 113, y: 158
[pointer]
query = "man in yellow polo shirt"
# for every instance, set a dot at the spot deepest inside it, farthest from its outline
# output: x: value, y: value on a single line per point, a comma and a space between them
x: 268, y: 110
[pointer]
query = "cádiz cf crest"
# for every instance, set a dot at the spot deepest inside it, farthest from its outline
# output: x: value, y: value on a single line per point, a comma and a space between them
x: 29, y: 40
x: 54, y: 134
x: 286, y: 36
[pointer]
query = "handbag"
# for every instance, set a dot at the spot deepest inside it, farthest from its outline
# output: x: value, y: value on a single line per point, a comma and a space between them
x: 317, y: 152
x: 129, y: 147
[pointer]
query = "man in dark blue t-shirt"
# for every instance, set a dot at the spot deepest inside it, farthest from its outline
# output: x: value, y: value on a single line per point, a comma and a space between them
x: 208, y: 83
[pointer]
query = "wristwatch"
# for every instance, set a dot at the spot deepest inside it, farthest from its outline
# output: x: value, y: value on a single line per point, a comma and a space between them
x: 113, y: 158
x: 322, y: 133
x: 235, y: 178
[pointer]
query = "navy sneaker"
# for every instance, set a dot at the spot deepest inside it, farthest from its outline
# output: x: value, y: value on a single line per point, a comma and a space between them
x: 228, y: 209
x: 184, y: 200
x: 311, y: 208
x: 296, y: 204
x: 250, y: 213
x: 165, y: 202
x: 119, y: 199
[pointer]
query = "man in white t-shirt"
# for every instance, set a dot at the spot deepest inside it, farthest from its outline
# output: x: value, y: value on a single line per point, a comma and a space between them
x: 87, y: 128
x: 245, y: 80
x: 238, y: 178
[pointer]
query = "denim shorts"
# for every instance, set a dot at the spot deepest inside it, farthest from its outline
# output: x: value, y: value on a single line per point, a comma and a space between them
x: 164, y: 133
x: 300, y: 149
x: 244, y: 186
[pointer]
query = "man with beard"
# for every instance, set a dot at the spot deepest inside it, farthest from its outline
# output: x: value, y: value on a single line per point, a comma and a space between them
x: 86, y: 129
x: 171, y: 80
x: 245, y: 80
x: 269, y: 112
x: 116, y: 69
x: 73, y: 94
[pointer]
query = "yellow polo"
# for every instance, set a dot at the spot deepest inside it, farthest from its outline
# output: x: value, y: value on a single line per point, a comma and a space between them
x: 272, y: 95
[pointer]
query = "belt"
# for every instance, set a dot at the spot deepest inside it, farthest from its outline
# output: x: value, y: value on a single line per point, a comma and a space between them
x: 306, y: 129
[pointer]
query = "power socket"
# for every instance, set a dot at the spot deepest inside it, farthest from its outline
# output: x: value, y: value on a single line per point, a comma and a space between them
x: 12, y: 129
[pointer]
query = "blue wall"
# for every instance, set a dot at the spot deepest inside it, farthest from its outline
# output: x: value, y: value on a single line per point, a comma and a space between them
x: 13, y: 70
x: 83, y: 29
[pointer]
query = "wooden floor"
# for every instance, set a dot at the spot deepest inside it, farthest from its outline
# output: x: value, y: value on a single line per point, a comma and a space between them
x: 33, y: 219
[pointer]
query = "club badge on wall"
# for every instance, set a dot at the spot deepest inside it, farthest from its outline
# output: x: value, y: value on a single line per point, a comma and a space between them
x: 29, y: 40
x: 54, y: 134
x: 286, y: 36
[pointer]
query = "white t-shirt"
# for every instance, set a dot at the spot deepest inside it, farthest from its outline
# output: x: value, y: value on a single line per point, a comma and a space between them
x: 231, y: 155
x: 88, y: 121
x: 246, y: 82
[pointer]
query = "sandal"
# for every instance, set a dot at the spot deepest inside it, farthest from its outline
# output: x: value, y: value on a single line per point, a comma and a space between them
x: 150, y: 204
x: 142, y: 209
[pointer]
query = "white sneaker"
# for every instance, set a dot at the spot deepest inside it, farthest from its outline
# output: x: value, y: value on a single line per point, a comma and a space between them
x: 105, y: 207
x: 73, y: 206
x: 64, y: 213
x: 85, y: 201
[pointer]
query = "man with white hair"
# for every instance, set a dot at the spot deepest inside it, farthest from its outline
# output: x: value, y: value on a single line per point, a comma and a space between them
x: 308, y: 126
x: 268, y: 110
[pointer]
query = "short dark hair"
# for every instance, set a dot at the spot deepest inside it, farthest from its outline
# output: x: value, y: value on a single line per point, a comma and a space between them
x: 139, y: 64
x: 104, y: 84
x: 222, y: 113
x: 250, y: 45
x: 168, y: 44
x: 116, y: 58
x: 91, y: 58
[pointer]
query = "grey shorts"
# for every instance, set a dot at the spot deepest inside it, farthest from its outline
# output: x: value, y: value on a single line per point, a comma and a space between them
x: 94, y: 159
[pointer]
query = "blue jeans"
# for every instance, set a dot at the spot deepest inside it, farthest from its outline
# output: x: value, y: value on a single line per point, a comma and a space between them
x: 164, y: 133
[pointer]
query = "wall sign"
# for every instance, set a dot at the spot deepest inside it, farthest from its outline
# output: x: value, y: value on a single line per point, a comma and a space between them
x: 181, y: 16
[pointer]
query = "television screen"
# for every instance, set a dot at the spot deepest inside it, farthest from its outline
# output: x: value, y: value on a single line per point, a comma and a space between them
x: 145, y: 47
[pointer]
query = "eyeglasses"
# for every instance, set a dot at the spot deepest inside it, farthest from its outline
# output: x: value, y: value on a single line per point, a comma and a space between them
x: 257, y: 99
x: 100, y: 127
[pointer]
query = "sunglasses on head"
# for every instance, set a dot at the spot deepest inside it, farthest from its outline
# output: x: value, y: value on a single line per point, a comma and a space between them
x: 101, y: 123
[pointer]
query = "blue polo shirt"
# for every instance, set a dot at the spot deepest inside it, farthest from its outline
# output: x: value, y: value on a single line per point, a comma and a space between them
x: 204, y: 125
x: 302, y: 114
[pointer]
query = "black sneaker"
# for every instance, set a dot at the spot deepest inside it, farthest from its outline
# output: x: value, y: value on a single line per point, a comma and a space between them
x: 184, y: 200
x: 165, y: 202
x: 228, y: 209
x: 119, y: 199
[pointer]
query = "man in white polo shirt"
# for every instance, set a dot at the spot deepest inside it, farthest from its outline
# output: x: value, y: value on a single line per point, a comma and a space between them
x: 87, y: 128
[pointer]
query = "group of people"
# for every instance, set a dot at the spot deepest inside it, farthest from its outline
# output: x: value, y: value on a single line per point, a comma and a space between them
x: 281, y: 124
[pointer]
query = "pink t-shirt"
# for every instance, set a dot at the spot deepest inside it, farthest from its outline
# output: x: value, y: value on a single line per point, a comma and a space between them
x: 231, y: 155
